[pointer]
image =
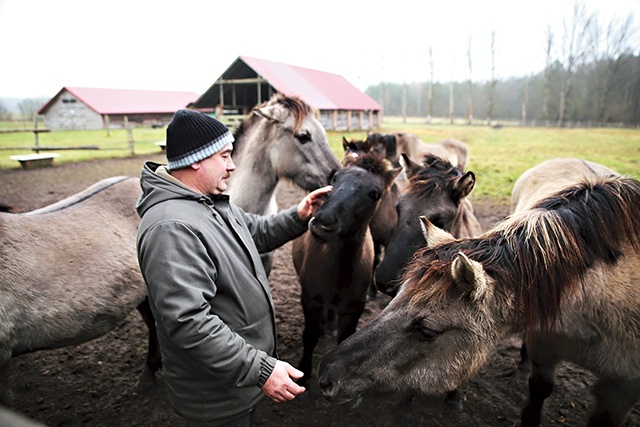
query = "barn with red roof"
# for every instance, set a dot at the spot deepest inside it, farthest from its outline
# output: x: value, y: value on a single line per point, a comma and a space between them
x: 248, y: 82
x: 93, y: 108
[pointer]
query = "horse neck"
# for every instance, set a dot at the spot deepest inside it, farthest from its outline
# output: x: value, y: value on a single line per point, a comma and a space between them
x: 465, y: 223
x: 253, y: 184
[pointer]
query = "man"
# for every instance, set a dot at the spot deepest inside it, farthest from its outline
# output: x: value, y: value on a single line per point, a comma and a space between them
x: 200, y: 257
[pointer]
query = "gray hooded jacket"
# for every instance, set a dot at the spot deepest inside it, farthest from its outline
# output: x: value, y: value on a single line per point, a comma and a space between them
x: 200, y: 258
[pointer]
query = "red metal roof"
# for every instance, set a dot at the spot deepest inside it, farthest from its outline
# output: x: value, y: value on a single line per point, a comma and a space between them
x: 125, y: 101
x: 323, y: 90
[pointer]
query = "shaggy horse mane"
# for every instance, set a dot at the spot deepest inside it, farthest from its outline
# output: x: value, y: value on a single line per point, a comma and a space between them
x: 371, y: 162
x: 542, y: 253
x: 434, y: 174
x: 296, y: 106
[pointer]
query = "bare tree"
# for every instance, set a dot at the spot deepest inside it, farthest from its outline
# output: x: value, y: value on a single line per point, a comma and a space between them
x: 5, y: 114
x: 546, y: 89
x: 469, y: 83
x: 430, y: 90
x: 615, y: 43
x: 493, y: 82
x: 525, y: 101
x: 453, y: 67
x: 574, y: 48
x: 381, y: 95
x: 404, y: 94
x: 28, y: 108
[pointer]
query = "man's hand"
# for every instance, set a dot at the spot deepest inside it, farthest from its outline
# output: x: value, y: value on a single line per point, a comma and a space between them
x: 280, y: 386
x: 310, y: 204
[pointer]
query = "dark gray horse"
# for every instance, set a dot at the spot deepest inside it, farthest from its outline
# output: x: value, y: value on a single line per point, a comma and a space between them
x: 438, y: 191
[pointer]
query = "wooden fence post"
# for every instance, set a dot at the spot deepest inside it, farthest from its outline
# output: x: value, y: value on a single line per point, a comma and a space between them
x: 130, y: 139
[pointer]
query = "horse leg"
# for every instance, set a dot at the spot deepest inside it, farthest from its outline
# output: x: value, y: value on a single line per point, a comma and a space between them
x: 154, y: 358
x: 613, y: 401
x: 348, y: 320
x: 372, y: 293
x: 541, y: 382
x: 267, y: 262
x: 6, y: 396
x: 524, y: 366
x: 310, y: 337
x: 454, y: 400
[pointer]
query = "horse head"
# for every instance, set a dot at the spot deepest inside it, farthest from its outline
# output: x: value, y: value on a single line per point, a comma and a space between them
x: 441, y: 325
x: 384, y: 146
x: 357, y: 190
x: 353, y: 149
x: 283, y: 139
x: 437, y: 191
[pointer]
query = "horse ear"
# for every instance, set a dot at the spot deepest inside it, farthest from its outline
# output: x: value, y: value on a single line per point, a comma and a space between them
x: 390, y: 175
x: 464, y: 185
x: 272, y: 112
x: 432, y: 234
x: 345, y: 144
x: 409, y: 166
x: 469, y: 277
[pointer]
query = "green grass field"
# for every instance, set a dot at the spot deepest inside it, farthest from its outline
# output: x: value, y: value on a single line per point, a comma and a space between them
x: 497, y: 156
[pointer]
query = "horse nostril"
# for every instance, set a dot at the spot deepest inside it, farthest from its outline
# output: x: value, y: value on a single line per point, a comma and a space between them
x: 328, y: 391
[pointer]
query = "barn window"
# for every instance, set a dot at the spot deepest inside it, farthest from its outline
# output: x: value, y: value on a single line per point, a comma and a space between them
x: 68, y: 101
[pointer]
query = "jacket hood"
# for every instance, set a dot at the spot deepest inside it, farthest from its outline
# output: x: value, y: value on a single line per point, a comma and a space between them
x: 158, y: 188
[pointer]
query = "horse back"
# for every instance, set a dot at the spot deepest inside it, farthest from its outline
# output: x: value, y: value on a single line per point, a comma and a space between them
x: 84, y: 245
x: 552, y: 176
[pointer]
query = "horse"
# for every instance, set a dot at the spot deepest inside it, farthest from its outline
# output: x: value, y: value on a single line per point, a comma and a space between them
x: 392, y: 145
x: 385, y: 216
x: 70, y: 274
x: 550, y: 176
x: 281, y: 139
x: 564, y: 273
x: 438, y: 191
x: 541, y: 181
x: 334, y: 258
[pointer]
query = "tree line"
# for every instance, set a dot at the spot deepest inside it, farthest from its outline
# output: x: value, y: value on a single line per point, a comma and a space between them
x: 591, y: 77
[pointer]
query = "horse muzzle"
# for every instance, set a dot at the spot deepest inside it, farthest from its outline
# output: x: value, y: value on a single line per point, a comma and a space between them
x: 323, y: 232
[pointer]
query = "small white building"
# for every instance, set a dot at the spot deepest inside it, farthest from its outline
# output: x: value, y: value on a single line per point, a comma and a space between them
x: 81, y: 108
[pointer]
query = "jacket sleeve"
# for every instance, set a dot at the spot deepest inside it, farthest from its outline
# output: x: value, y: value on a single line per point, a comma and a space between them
x: 272, y: 231
x: 181, y: 280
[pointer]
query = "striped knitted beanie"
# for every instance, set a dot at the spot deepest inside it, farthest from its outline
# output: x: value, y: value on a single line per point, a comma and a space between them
x: 193, y: 136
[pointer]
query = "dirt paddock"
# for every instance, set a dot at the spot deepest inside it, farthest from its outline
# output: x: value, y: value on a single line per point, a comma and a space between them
x: 93, y: 384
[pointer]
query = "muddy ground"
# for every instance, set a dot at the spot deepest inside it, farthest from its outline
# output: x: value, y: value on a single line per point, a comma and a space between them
x: 93, y: 384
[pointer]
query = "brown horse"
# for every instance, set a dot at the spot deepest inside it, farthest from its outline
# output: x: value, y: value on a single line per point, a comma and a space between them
x: 438, y: 191
x: 281, y: 139
x: 334, y: 259
x: 565, y: 273
x: 70, y: 274
x: 385, y: 216
x: 392, y: 145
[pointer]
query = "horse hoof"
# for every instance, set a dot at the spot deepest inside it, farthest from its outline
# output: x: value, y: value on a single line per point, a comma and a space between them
x: 146, y: 383
x: 456, y: 405
x: 371, y: 296
x: 454, y: 401
x: 522, y: 374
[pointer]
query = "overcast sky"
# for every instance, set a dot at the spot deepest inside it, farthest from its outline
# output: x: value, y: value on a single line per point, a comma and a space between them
x: 185, y: 45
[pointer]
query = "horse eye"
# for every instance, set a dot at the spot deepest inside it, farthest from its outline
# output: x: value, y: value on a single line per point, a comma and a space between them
x: 424, y: 334
x: 303, y: 137
x: 374, y: 195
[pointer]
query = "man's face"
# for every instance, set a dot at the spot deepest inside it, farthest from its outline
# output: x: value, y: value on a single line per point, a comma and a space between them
x: 217, y: 170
